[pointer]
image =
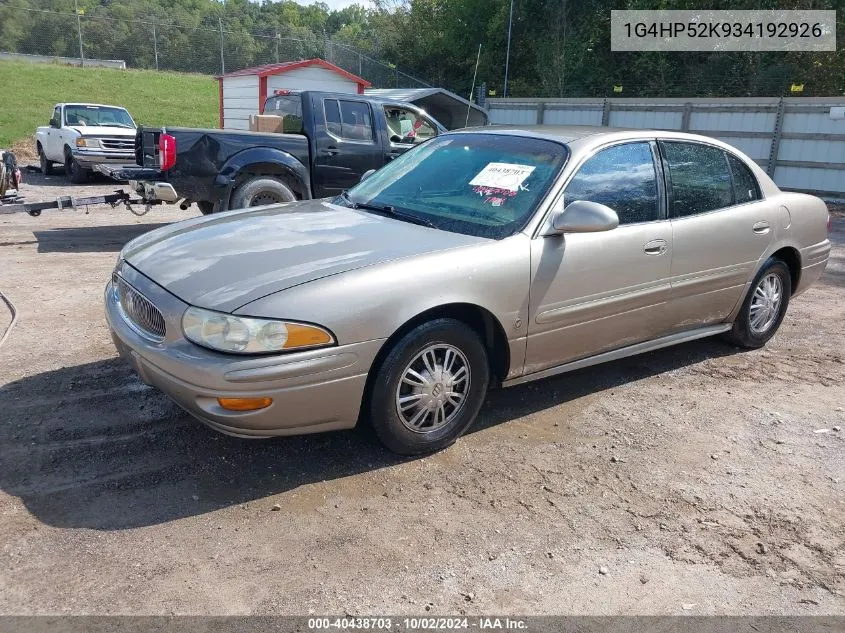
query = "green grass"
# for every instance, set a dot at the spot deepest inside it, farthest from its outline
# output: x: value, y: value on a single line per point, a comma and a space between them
x: 28, y: 93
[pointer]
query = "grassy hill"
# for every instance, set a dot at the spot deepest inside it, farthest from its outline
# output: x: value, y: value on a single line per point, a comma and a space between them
x: 28, y: 93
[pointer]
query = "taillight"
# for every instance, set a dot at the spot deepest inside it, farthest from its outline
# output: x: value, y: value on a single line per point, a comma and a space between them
x: 829, y: 222
x: 166, y: 151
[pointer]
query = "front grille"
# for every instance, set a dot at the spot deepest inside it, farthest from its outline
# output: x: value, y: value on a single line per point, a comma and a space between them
x: 138, y: 310
x: 127, y: 144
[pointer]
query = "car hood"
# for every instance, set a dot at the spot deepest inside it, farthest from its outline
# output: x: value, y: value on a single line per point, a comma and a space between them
x: 103, y: 130
x: 224, y: 261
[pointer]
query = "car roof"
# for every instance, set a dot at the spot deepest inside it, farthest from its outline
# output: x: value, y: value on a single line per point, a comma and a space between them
x: 98, y: 105
x: 588, y: 135
x: 584, y: 139
x: 352, y: 97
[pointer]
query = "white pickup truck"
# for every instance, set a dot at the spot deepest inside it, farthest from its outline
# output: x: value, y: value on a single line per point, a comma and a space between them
x: 81, y: 135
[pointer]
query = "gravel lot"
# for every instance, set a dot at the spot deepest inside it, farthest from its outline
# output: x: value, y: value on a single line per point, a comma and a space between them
x: 693, y: 480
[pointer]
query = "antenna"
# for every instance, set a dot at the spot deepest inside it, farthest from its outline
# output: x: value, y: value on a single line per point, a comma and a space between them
x: 472, y: 90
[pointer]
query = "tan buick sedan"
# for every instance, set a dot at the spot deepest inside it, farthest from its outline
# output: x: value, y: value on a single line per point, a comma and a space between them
x: 481, y: 258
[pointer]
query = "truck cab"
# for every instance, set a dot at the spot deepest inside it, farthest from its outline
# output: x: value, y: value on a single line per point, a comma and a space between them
x: 350, y: 134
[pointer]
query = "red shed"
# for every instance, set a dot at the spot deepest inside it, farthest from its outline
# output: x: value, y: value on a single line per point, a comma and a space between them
x: 243, y: 92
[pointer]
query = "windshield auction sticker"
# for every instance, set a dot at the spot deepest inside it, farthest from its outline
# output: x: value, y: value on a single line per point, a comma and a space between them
x: 502, y: 176
x: 715, y: 31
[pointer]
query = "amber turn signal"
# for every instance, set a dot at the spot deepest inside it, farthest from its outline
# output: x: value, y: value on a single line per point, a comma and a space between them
x: 306, y: 336
x: 244, y: 404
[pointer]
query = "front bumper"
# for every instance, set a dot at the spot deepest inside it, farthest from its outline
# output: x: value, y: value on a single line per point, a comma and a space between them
x: 312, y: 391
x: 88, y: 157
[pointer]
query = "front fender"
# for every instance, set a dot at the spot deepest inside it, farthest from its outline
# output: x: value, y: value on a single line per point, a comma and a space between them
x: 264, y: 157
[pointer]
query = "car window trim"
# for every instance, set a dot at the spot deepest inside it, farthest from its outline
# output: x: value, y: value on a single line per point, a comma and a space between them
x: 661, y: 140
x: 757, y: 189
x: 340, y: 139
x: 557, y: 191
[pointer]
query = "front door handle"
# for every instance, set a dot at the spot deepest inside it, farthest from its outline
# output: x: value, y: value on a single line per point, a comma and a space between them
x: 655, y: 247
x: 331, y: 150
x: 761, y: 228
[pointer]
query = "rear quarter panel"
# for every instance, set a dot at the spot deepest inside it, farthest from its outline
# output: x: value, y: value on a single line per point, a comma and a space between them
x: 803, y: 226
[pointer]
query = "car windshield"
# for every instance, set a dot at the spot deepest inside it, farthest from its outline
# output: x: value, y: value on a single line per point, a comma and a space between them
x: 488, y: 185
x: 97, y: 115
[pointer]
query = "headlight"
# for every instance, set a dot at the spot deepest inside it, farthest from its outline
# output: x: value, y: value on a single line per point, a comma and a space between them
x: 243, y: 335
x: 87, y: 142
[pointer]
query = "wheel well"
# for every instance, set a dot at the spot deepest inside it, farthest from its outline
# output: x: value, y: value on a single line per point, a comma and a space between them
x: 792, y: 259
x: 479, y: 319
x: 274, y: 170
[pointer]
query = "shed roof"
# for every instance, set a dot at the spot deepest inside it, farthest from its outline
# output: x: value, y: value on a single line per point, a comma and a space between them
x: 283, y: 67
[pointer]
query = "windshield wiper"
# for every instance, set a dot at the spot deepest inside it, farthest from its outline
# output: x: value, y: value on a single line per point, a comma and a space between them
x: 389, y: 210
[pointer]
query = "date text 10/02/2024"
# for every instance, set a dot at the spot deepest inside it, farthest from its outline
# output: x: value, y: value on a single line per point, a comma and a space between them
x: 419, y: 623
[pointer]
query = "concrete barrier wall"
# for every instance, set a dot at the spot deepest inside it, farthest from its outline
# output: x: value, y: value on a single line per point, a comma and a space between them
x: 69, y: 61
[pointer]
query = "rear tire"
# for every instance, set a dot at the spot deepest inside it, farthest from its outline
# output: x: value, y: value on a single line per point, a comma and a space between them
x: 765, y: 306
x: 260, y: 191
x: 414, y: 410
x: 46, y: 165
x: 205, y: 207
x: 74, y: 171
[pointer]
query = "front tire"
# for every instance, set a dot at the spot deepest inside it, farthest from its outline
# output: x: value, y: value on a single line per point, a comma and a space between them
x: 430, y: 387
x: 74, y: 171
x: 765, y: 306
x: 46, y: 165
x: 259, y: 191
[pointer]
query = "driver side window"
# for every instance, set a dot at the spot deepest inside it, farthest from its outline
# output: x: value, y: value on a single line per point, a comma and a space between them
x: 56, y: 121
x: 621, y: 177
x: 406, y: 127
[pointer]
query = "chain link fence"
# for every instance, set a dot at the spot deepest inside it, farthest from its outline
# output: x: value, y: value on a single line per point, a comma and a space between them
x: 211, y: 48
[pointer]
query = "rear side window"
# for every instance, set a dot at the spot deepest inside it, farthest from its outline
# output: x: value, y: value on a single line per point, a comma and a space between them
x: 621, y: 177
x: 348, y: 120
x: 746, y: 188
x: 333, y: 123
x: 699, y: 178
x: 357, y: 123
x: 289, y: 107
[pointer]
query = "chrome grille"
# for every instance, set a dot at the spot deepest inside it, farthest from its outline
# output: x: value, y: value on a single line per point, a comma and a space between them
x: 138, y: 310
x: 117, y: 143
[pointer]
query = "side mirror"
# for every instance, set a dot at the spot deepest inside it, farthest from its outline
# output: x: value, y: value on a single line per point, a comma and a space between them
x: 367, y: 174
x: 54, y: 123
x: 583, y: 216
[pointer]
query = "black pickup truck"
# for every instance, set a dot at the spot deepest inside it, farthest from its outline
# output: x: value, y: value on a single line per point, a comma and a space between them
x: 327, y: 142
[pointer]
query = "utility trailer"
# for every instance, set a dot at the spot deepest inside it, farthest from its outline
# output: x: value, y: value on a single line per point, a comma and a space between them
x: 12, y: 201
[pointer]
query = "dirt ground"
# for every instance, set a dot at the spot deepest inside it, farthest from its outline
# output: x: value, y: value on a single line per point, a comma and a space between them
x: 694, y: 480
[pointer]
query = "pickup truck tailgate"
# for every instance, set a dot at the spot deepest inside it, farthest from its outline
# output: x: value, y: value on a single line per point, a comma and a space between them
x: 146, y: 147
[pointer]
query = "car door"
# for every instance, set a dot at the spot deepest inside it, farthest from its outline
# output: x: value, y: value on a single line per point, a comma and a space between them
x: 720, y: 230
x: 404, y: 129
x: 53, y: 145
x: 593, y: 292
x: 346, y: 145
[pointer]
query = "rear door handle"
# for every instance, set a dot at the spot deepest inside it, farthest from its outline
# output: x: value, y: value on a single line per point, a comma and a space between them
x: 761, y: 228
x: 655, y: 247
x: 331, y: 150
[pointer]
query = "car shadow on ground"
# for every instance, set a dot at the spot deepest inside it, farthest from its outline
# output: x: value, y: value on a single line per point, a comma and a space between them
x: 90, y: 239
x: 91, y: 447
x: 33, y: 177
